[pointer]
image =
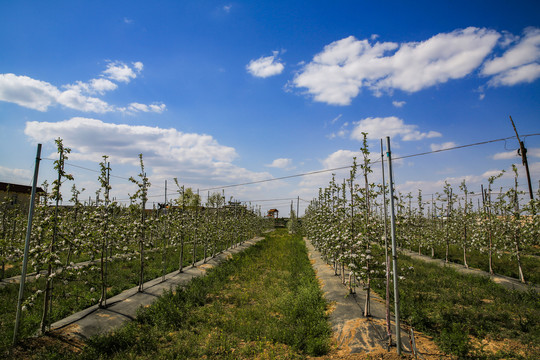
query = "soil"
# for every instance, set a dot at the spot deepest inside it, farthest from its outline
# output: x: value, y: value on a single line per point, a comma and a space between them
x: 31, y: 348
x: 375, y: 355
x: 360, y: 329
x: 205, y: 267
x: 425, y: 345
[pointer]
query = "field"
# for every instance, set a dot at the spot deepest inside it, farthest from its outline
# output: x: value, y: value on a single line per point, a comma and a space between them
x: 266, y: 302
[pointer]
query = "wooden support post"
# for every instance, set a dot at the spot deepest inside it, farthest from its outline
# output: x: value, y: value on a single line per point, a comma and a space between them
x: 523, y: 153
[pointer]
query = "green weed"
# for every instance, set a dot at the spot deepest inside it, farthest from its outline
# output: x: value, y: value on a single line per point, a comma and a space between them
x: 455, y: 308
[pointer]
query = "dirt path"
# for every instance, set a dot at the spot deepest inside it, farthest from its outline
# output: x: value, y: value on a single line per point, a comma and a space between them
x: 356, y: 336
x: 505, y: 281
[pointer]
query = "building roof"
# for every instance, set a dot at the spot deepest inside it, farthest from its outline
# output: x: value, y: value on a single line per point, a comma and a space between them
x: 17, y: 188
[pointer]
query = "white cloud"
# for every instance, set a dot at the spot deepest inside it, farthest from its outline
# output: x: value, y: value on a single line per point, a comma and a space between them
x: 91, y: 138
x: 101, y: 86
x: 15, y: 175
x: 266, y: 66
x: 227, y: 8
x: 378, y: 128
x: 341, y: 133
x: 137, y: 107
x: 522, y: 74
x: 336, y: 119
x: 198, y: 157
x: 76, y: 96
x: 520, y: 63
x: 505, y: 155
x: 507, y: 39
x: 336, y: 75
x: 138, y: 66
x: 27, y: 92
x: 118, y: 71
x: 340, y: 158
x: 398, y: 104
x: 490, y: 173
x: 281, y: 163
x: 531, y: 152
x: 446, y: 145
x: 40, y: 95
x: 73, y: 99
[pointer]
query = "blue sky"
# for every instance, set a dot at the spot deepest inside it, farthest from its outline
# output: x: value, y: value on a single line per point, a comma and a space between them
x: 218, y: 93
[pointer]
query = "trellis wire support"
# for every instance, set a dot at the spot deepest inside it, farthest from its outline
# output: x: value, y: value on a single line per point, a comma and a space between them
x: 394, y: 252
x: 27, y: 245
x: 523, y: 153
x: 386, y: 259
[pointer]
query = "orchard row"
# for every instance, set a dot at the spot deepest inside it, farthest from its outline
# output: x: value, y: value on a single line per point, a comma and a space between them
x: 71, y: 243
x: 348, y: 223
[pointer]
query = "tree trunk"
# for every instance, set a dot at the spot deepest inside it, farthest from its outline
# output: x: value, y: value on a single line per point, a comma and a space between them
x: 164, y: 253
x: 490, y: 255
x: 367, y: 306
x: 181, y: 261
x: 182, y: 236
x: 68, y: 254
x: 103, y: 298
x: 141, y: 248
x: 46, y: 299
x: 205, y: 245
x: 195, y: 239
x: 141, y: 270
x: 518, y: 256
x: 48, y: 287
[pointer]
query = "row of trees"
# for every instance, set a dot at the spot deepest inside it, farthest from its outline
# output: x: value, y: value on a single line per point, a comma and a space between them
x: 488, y: 222
x: 348, y: 218
x: 69, y: 242
x: 343, y: 224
